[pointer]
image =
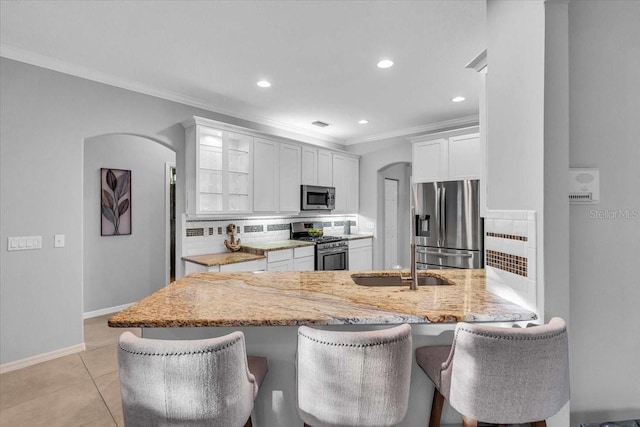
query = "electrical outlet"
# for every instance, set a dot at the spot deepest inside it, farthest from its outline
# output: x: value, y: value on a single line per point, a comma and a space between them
x: 58, y: 241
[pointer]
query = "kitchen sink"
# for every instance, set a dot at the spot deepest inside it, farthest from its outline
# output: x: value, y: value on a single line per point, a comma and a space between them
x: 397, y: 281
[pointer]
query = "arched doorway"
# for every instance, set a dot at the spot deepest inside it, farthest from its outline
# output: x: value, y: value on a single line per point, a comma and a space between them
x: 119, y: 270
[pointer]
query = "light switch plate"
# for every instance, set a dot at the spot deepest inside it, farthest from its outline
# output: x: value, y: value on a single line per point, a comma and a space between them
x: 24, y: 243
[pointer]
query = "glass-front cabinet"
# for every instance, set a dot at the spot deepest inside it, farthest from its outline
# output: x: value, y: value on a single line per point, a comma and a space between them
x: 219, y: 166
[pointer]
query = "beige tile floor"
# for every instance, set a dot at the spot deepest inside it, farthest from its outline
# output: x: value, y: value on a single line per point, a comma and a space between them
x: 81, y: 389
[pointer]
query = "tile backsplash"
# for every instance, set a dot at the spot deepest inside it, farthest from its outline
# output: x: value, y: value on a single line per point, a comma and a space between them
x: 208, y: 236
x: 510, y: 255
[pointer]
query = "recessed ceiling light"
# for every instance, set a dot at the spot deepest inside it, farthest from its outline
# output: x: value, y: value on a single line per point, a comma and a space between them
x: 458, y: 99
x: 263, y: 83
x: 363, y: 121
x: 385, y: 63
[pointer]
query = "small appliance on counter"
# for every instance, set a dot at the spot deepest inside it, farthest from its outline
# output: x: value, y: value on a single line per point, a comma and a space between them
x: 449, y: 230
x: 331, y: 253
x: 317, y: 198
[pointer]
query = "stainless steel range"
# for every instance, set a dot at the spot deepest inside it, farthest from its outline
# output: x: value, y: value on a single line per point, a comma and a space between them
x: 332, y: 252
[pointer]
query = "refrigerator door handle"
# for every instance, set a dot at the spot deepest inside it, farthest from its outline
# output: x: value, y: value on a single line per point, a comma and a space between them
x: 444, y: 254
x: 437, y: 213
x: 443, y: 217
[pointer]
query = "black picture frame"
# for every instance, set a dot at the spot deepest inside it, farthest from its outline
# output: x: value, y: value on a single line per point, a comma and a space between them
x: 115, y: 202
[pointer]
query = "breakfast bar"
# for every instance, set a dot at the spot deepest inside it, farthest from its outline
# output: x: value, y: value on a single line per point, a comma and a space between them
x: 269, y: 306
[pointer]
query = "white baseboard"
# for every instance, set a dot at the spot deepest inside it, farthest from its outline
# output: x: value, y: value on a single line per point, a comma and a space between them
x: 103, y: 311
x: 23, y: 363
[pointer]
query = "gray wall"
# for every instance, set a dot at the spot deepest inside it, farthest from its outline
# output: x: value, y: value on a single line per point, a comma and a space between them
x: 605, y: 287
x: 590, y: 119
x: 124, y: 269
x: 45, y: 117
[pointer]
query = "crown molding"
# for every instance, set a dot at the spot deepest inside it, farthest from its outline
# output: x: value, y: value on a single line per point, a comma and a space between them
x: 51, y: 63
x: 432, y: 127
x: 479, y: 62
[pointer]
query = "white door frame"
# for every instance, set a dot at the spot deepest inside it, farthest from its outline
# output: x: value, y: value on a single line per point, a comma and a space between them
x: 167, y: 218
x: 390, y: 214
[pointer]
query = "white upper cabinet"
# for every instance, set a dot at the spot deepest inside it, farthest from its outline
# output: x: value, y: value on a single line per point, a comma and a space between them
x: 447, y: 159
x: 219, y: 167
x: 346, y: 180
x: 429, y: 160
x: 464, y: 157
x: 290, y: 171
x: 353, y: 184
x: 325, y: 168
x: 265, y: 175
x: 277, y: 171
x: 340, y: 182
x: 317, y: 167
x: 231, y: 169
x: 309, y: 166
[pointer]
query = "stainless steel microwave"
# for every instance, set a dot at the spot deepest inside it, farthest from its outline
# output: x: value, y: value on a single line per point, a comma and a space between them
x: 316, y: 198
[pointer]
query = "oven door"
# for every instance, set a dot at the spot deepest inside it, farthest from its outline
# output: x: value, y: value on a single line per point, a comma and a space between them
x: 332, y: 259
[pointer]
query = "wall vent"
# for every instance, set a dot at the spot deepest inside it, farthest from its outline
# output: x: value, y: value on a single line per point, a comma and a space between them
x: 580, y: 197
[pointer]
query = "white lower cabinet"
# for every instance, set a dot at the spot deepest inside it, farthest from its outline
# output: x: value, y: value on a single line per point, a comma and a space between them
x: 254, y: 265
x: 295, y: 259
x: 281, y: 260
x: 192, y: 267
x: 360, y: 254
x: 304, y: 258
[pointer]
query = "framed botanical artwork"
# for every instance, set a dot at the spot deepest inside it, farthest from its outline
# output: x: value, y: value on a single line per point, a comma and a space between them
x: 115, y: 203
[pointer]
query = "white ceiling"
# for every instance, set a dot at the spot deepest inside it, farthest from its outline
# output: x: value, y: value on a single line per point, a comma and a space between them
x: 319, y: 55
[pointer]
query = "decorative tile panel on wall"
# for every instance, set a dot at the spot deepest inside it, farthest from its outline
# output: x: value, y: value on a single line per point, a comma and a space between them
x: 208, y: 236
x: 510, y: 255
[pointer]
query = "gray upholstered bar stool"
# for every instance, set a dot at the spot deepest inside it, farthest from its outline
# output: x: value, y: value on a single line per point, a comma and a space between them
x: 188, y: 382
x: 500, y: 375
x: 353, y: 378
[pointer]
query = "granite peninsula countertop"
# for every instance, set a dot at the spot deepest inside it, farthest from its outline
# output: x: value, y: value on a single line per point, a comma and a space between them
x: 316, y: 298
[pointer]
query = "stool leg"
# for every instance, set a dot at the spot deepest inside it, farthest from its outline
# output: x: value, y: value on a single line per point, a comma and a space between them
x: 469, y: 422
x: 542, y: 423
x: 436, y: 408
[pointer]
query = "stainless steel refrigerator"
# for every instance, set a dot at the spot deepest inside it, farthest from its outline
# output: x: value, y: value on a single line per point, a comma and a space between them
x: 448, y: 227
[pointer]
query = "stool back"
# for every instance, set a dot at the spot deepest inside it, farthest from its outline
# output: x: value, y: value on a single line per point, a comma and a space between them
x: 508, y: 375
x: 353, y: 378
x: 185, y: 382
